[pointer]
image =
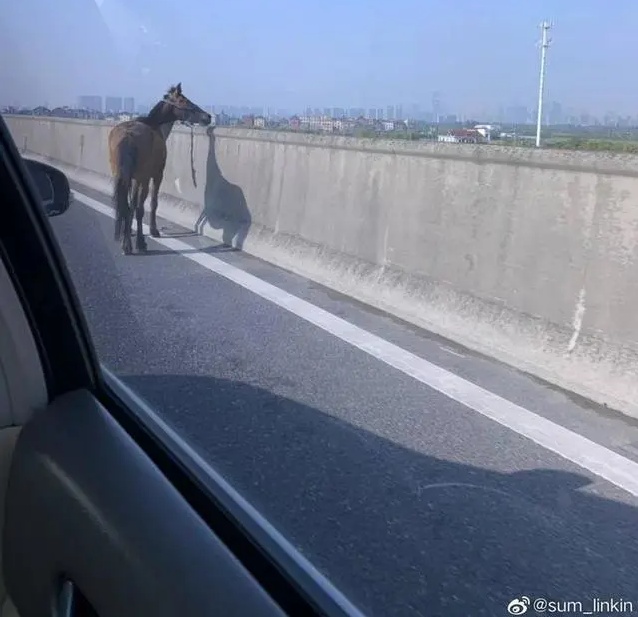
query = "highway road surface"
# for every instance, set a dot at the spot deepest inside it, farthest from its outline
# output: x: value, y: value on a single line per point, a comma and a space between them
x: 364, y: 440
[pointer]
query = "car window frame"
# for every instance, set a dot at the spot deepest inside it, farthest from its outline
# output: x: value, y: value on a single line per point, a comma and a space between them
x: 70, y: 362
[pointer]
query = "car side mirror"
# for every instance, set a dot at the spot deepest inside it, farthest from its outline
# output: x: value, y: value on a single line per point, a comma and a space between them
x: 52, y: 185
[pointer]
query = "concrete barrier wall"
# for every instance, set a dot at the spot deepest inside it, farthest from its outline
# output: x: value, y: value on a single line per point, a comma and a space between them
x: 529, y: 256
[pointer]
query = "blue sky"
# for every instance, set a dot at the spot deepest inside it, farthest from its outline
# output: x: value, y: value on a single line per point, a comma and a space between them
x: 286, y: 53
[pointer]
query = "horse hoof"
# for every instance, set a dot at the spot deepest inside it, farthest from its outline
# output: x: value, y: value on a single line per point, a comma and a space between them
x: 141, y: 248
x: 155, y: 233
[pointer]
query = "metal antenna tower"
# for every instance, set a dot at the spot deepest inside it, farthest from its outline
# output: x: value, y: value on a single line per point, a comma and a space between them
x: 545, y: 41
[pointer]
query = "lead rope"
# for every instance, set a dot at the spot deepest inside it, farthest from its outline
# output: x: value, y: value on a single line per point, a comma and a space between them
x: 193, y: 173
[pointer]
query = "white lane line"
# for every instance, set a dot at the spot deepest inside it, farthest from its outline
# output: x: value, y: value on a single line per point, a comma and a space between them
x: 601, y: 461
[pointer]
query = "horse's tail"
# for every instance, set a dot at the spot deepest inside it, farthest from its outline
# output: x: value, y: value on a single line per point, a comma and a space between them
x: 123, y: 179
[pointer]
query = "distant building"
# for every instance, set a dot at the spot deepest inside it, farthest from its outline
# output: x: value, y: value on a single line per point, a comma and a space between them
x: 222, y: 119
x: 462, y: 136
x: 62, y: 112
x: 488, y: 131
x: 316, y: 123
x: 113, y: 104
x: 92, y: 102
x: 248, y: 121
x: 437, y: 107
x: 393, y: 125
x: 259, y: 122
x: 41, y: 111
x: 555, y: 114
x: 128, y: 105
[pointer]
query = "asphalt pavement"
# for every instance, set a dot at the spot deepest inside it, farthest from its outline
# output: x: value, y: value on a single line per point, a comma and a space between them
x: 410, y: 502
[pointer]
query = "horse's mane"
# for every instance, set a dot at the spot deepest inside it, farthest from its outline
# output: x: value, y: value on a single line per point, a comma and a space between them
x: 150, y: 117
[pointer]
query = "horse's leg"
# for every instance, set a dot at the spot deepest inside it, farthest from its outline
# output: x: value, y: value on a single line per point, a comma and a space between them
x: 142, y: 194
x: 157, y: 180
x: 127, y: 245
x: 123, y: 215
x: 133, y: 193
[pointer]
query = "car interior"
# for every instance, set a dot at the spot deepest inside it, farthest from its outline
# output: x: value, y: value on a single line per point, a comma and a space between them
x: 98, y: 516
x: 22, y: 391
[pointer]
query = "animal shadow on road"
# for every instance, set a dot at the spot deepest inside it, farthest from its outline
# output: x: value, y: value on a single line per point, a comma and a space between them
x: 400, y: 531
x: 225, y: 205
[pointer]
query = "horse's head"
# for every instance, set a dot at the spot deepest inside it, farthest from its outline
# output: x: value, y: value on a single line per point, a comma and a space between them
x: 183, y: 109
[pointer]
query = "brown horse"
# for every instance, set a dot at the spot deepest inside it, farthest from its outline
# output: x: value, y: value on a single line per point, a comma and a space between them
x: 137, y: 151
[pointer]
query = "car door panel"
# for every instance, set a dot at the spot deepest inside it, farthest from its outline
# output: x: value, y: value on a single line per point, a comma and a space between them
x: 22, y: 385
x: 84, y: 502
x: 8, y: 438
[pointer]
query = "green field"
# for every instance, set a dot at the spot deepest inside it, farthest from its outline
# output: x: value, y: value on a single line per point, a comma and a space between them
x: 595, y: 145
x: 588, y: 139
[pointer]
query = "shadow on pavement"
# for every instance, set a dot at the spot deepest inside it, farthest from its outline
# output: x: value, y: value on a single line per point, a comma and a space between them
x: 398, y: 531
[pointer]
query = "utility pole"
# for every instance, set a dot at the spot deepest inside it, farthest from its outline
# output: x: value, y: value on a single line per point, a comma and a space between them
x: 545, y: 41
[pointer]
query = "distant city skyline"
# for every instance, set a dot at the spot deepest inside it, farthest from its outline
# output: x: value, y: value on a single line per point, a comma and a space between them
x: 554, y: 112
